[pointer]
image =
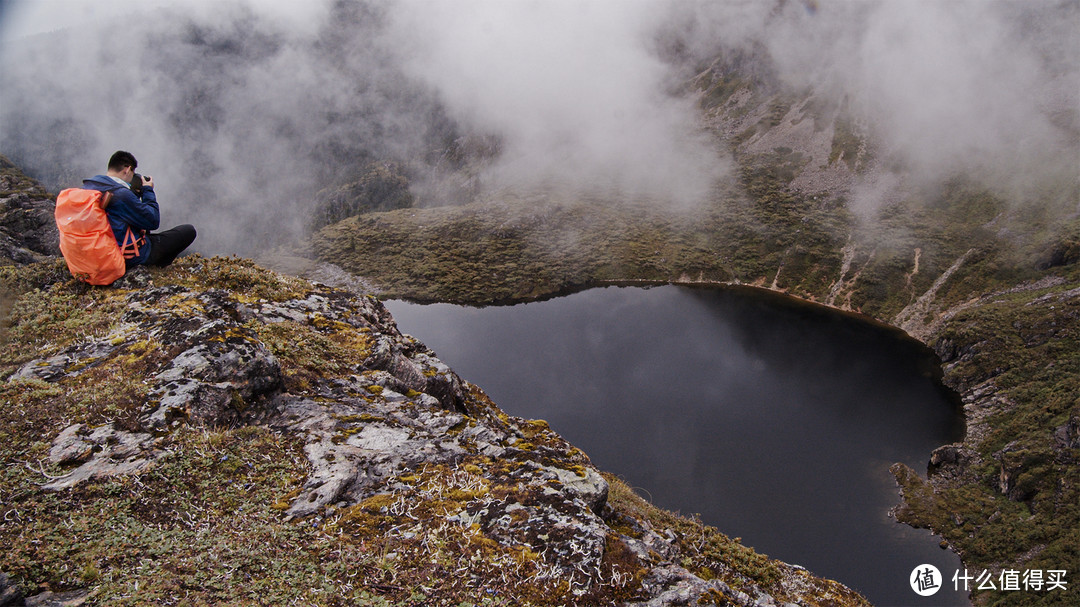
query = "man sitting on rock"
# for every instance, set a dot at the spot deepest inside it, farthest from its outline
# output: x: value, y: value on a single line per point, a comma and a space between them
x: 133, y: 212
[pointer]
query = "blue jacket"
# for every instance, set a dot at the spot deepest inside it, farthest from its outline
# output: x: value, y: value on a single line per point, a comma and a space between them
x: 128, y: 211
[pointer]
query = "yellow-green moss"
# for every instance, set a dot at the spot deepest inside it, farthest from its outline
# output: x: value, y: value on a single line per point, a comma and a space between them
x: 242, y: 278
x: 178, y: 531
x: 307, y: 354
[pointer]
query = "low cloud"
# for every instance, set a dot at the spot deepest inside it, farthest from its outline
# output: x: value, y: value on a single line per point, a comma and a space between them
x: 572, y: 89
x: 243, y: 109
x: 989, y: 88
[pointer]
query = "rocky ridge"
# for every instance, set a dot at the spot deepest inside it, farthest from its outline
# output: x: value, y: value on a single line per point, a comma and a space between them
x: 405, y: 482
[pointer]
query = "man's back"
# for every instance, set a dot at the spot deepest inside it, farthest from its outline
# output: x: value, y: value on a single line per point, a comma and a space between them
x: 128, y: 211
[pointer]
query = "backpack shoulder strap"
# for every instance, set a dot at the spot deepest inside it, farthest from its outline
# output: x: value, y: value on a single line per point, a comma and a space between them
x: 131, y: 245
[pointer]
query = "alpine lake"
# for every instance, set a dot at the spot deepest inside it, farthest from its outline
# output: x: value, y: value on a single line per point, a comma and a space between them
x: 772, y: 419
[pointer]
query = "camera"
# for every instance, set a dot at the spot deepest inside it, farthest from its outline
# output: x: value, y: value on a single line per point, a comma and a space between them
x: 137, y: 184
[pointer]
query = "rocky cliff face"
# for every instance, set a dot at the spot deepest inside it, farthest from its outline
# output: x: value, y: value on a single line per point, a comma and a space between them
x: 27, y: 228
x: 216, y: 432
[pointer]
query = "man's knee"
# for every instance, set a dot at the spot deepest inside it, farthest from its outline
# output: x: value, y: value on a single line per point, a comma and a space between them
x: 188, y: 231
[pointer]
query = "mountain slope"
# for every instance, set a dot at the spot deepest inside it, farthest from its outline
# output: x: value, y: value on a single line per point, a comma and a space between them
x: 214, y: 433
x: 988, y: 280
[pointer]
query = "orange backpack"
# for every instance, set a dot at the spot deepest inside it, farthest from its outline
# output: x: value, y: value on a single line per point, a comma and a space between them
x: 86, y: 239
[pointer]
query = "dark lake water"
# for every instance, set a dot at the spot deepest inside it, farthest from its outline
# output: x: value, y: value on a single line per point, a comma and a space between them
x: 775, y: 421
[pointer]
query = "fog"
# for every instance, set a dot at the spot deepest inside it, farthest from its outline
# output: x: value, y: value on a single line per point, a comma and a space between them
x: 986, y: 88
x: 243, y: 110
x: 571, y: 87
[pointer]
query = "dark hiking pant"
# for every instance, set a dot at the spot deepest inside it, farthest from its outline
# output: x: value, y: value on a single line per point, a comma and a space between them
x: 165, y: 246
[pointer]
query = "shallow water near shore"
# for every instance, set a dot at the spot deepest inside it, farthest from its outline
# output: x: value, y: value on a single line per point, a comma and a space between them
x: 774, y: 420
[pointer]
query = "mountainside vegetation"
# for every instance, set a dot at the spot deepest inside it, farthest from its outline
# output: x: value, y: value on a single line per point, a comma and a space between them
x: 989, y: 281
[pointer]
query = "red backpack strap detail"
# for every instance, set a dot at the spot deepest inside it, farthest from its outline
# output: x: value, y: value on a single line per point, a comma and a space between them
x: 130, y: 249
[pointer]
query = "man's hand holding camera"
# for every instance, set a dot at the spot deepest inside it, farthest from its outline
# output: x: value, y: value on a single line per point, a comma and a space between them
x: 138, y: 182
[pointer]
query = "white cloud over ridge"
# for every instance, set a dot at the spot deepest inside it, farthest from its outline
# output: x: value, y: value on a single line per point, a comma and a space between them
x: 571, y: 87
x: 241, y: 108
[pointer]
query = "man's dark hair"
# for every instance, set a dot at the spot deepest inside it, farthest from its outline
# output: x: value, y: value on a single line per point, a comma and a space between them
x: 122, y: 159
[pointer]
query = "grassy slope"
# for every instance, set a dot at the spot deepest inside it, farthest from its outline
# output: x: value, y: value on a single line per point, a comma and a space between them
x: 1017, y: 505
x: 499, y: 251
